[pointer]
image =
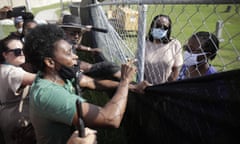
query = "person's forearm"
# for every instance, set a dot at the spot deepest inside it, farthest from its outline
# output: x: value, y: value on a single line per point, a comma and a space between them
x: 115, y: 108
x: 93, y: 84
x: 111, y: 114
x: 83, y: 48
x: 174, y: 74
x: 106, y: 85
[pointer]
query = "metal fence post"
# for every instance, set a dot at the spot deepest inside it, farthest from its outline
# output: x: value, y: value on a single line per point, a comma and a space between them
x: 219, y: 27
x: 141, y: 41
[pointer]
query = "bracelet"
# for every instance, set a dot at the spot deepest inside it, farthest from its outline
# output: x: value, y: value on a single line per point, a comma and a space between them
x: 88, y: 48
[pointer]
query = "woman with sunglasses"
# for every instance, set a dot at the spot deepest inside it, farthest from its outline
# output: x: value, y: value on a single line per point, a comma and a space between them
x: 200, y: 48
x: 12, y: 81
x: 163, y: 54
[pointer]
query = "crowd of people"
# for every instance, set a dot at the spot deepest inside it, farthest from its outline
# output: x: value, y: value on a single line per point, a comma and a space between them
x: 55, y: 66
x: 44, y: 58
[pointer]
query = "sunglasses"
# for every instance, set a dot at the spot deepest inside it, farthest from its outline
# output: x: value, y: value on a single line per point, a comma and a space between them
x: 16, y: 51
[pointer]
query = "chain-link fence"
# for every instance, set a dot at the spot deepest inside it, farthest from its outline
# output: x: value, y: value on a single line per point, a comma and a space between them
x: 128, y: 23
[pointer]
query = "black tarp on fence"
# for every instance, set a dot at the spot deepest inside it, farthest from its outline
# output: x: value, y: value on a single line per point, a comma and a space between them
x: 200, y: 110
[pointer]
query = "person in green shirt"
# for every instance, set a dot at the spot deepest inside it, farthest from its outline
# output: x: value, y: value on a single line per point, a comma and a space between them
x: 52, y: 95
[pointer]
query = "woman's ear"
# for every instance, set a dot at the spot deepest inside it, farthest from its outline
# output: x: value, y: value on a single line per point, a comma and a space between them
x: 5, y: 57
x: 49, y: 62
x: 4, y: 54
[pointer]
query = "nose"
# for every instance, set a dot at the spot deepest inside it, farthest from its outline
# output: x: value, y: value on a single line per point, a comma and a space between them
x: 76, y: 35
x: 22, y: 54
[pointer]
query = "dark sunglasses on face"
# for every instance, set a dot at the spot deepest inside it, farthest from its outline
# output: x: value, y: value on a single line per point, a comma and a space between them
x: 16, y: 51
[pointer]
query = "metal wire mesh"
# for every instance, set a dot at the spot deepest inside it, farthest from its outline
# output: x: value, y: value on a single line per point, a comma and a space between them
x: 188, y: 17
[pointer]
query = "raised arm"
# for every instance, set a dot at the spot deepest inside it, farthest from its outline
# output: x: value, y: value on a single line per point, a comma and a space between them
x: 112, y: 113
x: 88, y: 49
x: 93, y: 84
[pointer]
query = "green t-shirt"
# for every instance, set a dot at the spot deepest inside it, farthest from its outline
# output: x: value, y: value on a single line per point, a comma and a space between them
x: 52, y: 108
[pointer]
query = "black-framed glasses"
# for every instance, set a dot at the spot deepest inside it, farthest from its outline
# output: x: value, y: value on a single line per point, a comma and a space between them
x: 16, y: 51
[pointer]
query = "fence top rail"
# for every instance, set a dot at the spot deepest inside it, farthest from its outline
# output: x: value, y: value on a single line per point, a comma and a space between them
x: 168, y: 2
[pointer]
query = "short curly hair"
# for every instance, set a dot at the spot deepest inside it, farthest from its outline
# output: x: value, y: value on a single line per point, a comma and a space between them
x: 39, y: 44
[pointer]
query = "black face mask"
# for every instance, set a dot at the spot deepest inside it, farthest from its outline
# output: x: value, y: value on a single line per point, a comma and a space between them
x: 67, y: 72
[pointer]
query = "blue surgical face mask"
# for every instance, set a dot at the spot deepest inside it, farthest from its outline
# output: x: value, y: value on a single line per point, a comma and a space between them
x: 158, y: 33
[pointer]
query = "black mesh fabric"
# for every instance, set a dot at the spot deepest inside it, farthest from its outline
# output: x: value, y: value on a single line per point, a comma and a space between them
x: 199, y: 110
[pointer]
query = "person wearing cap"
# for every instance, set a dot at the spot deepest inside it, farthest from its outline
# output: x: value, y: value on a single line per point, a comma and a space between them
x: 18, y: 23
x: 74, y: 31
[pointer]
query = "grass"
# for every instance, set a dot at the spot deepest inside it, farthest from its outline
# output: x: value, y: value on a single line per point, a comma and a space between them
x: 7, y: 29
x: 188, y: 19
x: 204, y: 18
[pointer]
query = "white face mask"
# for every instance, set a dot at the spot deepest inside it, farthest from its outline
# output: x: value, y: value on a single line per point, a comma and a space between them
x: 20, y: 30
x: 158, y: 33
x: 191, y: 59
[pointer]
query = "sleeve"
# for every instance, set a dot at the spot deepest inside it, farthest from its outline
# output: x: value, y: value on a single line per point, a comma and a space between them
x: 59, y: 104
x: 15, y: 77
x: 178, y: 57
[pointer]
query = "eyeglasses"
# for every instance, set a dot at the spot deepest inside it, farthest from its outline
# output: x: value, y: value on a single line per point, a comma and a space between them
x: 17, y: 51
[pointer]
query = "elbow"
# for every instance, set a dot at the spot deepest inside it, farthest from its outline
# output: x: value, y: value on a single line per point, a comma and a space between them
x: 114, y: 125
x: 106, y: 124
x: 113, y: 122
